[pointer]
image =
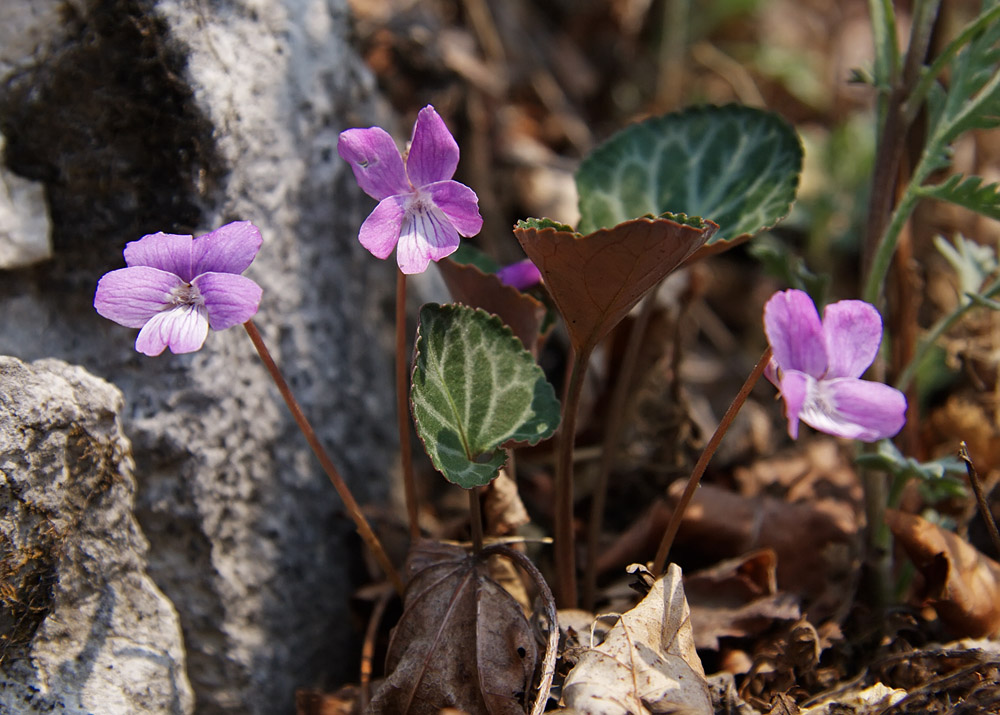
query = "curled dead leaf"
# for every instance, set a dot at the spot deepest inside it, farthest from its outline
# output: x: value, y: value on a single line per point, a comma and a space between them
x: 462, y: 641
x: 646, y: 664
x: 961, y: 583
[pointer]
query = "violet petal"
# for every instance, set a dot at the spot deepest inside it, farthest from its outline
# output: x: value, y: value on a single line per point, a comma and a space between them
x: 230, y: 299
x: 380, y: 231
x: 131, y: 296
x: 521, y: 275
x: 856, y: 409
x: 853, y: 332
x: 795, y: 333
x: 433, y: 152
x: 427, y: 235
x: 459, y: 203
x: 795, y: 387
x: 375, y: 160
x: 183, y: 329
x: 227, y: 249
x: 166, y: 251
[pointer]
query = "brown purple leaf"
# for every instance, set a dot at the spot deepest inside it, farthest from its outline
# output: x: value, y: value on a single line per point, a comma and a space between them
x: 523, y: 313
x: 962, y: 584
x: 462, y: 641
x: 596, y: 279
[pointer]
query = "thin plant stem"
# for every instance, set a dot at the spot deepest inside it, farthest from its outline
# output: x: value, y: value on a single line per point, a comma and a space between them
x: 565, y: 554
x: 476, y: 519
x: 977, y: 488
x: 353, y: 510
x: 660, y: 562
x: 941, y: 327
x: 368, y: 648
x: 612, y: 436
x: 403, y: 410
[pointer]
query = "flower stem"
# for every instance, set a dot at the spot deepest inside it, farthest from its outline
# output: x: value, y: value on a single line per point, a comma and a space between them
x: 564, y: 541
x: 364, y: 528
x: 476, y: 519
x: 699, y: 468
x: 609, y: 448
x: 403, y: 410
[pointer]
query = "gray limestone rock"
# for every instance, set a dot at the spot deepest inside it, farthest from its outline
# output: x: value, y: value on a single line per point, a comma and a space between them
x: 85, y: 628
x: 181, y: 115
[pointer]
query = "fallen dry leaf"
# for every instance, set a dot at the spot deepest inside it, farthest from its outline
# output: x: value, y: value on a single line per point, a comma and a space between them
x: 646, y: 664
x: 961, y: 583
x: 816, y: 542
x: 462, y: 641
x: 737, y: 598
x: 596, y: 279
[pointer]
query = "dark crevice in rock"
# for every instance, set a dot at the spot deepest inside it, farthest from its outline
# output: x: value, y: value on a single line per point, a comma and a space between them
x: 107, y: 121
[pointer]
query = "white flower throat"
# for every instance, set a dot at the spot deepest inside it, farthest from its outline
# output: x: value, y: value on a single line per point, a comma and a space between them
x: 186, y: 294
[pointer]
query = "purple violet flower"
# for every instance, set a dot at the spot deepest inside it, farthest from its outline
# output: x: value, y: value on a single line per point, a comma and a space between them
x: 817, y: 365
x: 177, y: 287
x: 420, y: 208
x: 521, y: 275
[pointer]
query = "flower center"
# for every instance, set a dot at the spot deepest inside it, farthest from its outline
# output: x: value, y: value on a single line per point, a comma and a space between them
x: 186, y: 294
x: 419, y: 202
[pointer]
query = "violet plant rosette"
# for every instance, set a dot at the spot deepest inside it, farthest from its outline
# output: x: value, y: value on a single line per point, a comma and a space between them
x: 176, y: 287
x: 817, y: 366
x: 421, y: 212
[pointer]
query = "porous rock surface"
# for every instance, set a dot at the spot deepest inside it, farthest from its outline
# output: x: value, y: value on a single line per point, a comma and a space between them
x: 86, y: 629
x: 180, y: 115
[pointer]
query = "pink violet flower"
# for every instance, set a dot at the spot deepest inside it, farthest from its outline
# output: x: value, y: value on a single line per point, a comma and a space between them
x: 817, y: 365
x: 177, y: 287
x: 421, y: 212
x: 521, y: 275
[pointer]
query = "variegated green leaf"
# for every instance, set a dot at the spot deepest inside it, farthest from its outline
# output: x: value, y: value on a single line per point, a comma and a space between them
x: 476, y: 390
x: 735, y: 165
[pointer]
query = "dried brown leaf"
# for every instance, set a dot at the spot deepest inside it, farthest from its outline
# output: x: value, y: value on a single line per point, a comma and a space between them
x: 596, y: 279
x: 646, y: 664
x: 737, y: 598
x: 462, y: 641
x: 523, y: 313
x: 961, y: 583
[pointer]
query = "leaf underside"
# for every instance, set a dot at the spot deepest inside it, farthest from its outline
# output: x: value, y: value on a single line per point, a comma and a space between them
x: 596, y: 279
x: 476, y: 390
x: 735, y: 165
x: 469, y: 285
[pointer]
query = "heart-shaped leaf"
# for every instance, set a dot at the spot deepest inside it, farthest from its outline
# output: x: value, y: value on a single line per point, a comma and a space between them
x: 736, y: 165
x: 596, y: 279
x: 476, y: 390
x: 469, y: 285
x: 462, y: 641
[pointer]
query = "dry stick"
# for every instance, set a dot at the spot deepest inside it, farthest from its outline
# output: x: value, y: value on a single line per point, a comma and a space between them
x: 364, y: 529
x: 977, y: 487
x: 549, y: 604
x: 368, y: 647
x: 403, y: 411
x: 699, y: 469
x: 564, y: 547
x: 612, y: 436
